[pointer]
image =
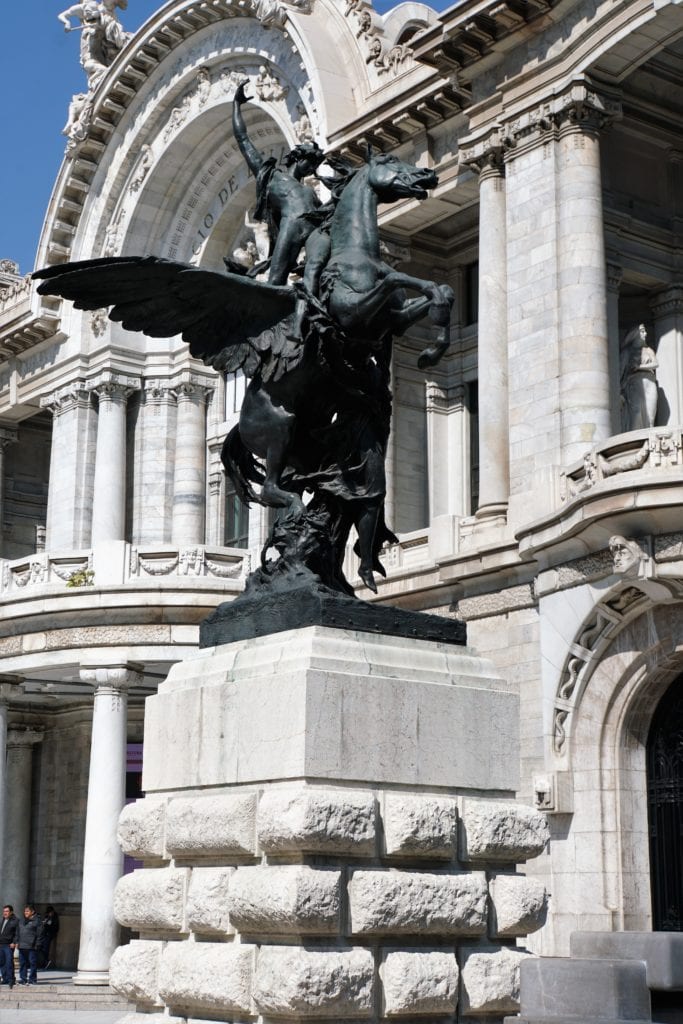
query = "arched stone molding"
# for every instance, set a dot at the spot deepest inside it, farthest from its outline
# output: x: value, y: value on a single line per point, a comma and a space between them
x: 600, y: 866
x: 320, y: 53
x: 589, y: 619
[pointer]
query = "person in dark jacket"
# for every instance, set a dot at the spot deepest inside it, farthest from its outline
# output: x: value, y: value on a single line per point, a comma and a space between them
x: 8, y: 938
x: 48, y: 934
x: 28, y: 940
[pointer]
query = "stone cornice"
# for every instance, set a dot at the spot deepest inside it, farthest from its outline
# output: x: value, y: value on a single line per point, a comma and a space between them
x: 668, y: 303
x: 578, y: 107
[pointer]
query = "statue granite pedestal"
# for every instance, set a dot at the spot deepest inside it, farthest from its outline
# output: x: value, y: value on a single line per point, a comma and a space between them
x: 329, y: 832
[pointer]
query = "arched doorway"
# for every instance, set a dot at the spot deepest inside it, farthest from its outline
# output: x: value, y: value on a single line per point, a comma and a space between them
x: 665, y: 809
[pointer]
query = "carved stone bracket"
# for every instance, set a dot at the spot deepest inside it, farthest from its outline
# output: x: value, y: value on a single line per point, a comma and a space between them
x: 74, y: 395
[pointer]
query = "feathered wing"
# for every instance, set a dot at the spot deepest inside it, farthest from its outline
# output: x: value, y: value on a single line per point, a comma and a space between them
x: 220, y: 316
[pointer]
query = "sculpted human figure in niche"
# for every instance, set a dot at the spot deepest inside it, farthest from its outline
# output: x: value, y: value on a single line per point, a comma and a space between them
x: 638, y: 381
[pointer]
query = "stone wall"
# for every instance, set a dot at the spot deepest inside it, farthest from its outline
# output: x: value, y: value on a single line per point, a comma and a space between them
x: 327, y: 902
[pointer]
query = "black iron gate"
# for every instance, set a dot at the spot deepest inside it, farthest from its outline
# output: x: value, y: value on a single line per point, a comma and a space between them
x: 665, y: 809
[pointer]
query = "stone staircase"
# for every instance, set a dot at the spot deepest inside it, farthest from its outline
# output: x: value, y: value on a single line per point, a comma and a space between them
x: 56, y: 991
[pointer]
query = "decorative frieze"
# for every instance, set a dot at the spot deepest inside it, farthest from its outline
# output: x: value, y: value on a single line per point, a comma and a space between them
x: 497, y: 602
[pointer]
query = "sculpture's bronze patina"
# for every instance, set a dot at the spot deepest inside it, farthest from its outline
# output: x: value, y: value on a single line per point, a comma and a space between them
x: 316, y: 416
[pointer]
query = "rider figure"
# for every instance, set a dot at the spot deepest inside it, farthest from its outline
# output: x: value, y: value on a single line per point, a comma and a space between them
x: 291, y: 209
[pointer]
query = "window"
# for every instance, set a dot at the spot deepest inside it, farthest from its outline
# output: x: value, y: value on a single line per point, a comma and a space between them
x: 236, y: 533
x: 471, y: 293
x: 473, y: 409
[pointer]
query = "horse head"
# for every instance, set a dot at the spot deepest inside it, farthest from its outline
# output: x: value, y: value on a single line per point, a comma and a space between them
x: 394, y: 179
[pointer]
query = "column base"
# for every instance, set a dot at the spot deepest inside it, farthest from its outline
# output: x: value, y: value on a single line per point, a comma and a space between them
x: 91, y: 978
x: 493, y: 514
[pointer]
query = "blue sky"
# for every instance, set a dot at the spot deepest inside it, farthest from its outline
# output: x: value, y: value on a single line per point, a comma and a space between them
x: 39, y: 73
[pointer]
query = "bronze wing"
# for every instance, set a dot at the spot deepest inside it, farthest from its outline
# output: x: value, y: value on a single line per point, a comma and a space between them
x: 222, y: 317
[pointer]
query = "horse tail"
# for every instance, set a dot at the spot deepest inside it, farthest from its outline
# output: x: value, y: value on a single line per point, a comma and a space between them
x: 241, y: 467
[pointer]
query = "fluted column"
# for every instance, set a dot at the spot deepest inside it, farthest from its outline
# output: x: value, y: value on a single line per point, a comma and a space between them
x: 154, y: 440
x: 17, y: 852
x: 72, y: 466
x: 448, y: 450
x: 109, y: 493
x: 615, y: 276
x: 492, y: 358
x: 8, y: 436
x: 585, y: 415
x: 102, y: 857
x: 667, y: 309
x: 189, y: 474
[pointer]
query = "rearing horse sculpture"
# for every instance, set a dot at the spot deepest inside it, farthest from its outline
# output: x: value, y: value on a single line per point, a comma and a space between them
x: 318, y: 407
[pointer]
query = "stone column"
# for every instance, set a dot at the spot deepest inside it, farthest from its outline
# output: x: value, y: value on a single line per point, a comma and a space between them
x: 16, y: 854
x: 102, y: 857
x: 72, y: 467
x: 585, y: 414
x: 448, y: 451
x: 8, y: 436
x: 7, y: 683
x: 494, y: 465
x: 615, y: 276
x: 189, y: 475
x: 667, y: 309
x: 109, y: 496
x: 154, y: 439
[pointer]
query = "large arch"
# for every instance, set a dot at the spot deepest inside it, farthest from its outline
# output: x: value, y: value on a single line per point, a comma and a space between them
x: 600, y: 862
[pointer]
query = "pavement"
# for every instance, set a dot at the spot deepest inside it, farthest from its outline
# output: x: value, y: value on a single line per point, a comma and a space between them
x: 37, y: 1015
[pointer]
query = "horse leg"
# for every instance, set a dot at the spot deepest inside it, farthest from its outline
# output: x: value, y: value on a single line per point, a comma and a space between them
x: 266, y: 430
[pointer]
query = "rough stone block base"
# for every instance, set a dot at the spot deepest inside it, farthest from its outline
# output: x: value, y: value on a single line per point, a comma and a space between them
x: 320, y: 843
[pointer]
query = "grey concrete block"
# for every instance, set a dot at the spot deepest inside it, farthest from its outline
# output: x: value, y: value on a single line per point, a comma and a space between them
x: 556, y: 988
x: 661, y: 951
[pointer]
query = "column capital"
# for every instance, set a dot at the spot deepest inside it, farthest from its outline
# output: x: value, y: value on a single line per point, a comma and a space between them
x: 8, y: 436
x: 114, y: 387
x: 615, y: 275
x: 158, y: 391
x: 581, y: 107
x: 17, y: 736
x: 578, y: 107
x: 190, y: 387
x: 668, y: 302
x: 115, y: 678
x: 485, y: 153
x: 8, y: 685
x: 444, y: 398
x: 72, y: 396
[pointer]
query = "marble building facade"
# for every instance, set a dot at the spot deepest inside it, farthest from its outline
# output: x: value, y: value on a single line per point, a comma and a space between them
x: 523, y: 500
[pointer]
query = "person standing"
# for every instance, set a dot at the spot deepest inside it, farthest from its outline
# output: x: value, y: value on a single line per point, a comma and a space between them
x: 48, y: 934
x: 28, y: 934
x: 8, y: 938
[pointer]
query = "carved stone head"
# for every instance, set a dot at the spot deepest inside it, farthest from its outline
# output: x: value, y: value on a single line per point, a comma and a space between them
x: 626, y: 555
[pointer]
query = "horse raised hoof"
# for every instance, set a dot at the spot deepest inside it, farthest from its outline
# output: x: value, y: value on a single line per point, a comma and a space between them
x: 431, y: 356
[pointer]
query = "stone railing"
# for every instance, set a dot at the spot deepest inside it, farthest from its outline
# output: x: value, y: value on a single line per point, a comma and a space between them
x: 139, y: 563
x: 411, y: 552
x: 658, y: 450
x: 378, y: 899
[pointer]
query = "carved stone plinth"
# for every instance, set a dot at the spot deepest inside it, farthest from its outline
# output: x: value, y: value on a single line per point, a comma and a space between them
x: 314, y: 818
